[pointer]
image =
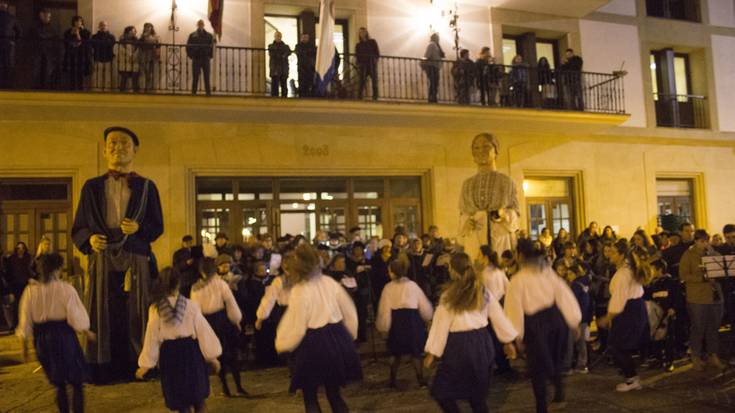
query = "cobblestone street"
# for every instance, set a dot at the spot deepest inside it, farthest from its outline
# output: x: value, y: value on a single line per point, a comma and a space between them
x: 684, y: 390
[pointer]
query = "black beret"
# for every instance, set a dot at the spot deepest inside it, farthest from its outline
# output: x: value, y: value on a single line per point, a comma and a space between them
x: 126, y: 131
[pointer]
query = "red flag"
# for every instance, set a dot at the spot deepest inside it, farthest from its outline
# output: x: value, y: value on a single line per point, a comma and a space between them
x: 215, y: 16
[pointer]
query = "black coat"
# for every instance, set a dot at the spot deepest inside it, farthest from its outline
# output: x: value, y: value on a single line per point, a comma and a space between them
x: 90, y: 217
x: 9, y: 34
x: 278, y: 53
x: 367, y: 52
x: 45, y: 41
x: 77, y: 53
x: 306, y: 57
x: 103, y: 44
x: 200, y: 45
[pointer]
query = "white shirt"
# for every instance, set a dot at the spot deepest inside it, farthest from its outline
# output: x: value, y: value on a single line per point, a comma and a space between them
x: 54, y: 301
x: 535, y: 289
x: 313, y: 304
x: 447, y: 321
x: 401, y: 293
x: 274, y: 293
x: 215, y: 296
x: 117, y: 197
x: 496, y: 281
x: 623, y: 288
x: 193, y: 325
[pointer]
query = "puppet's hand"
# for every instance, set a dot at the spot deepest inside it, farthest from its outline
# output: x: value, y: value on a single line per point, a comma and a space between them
x: 98, y: 242
x: 129, y: 226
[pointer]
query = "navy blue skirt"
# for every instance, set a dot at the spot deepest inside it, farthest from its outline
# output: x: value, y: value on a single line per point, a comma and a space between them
x: 184, y: 376
x: 59, y: 352
x: 630, y: 329
x: 546, y: 335
x: 227, y: 334
x: 407, y: 335
x: 464, y: 370
x: 326, y: 356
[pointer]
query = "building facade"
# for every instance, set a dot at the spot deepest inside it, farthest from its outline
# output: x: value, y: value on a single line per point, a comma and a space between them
x: 250, y: 165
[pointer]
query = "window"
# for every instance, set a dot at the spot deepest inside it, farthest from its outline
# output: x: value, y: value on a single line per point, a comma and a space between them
x: 675, y: 199
x: 510, y: 50
x: 33, y: 208
x: 671, y: 82
x: 549, y: 205
x: 674, y: 9
x: 243, y: 207
x: 289, y: 28
x: 548, y: 48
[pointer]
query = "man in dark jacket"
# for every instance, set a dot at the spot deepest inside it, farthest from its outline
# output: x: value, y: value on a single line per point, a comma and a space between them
x: 278, y: 52
x: 571, y: 76
x: 103, y: 45
x: 200, y: 49
x: 9, y: 34
x: 368, y: 53
x: 46, y: 43
x: 306, y: 57
x: 184, y: 261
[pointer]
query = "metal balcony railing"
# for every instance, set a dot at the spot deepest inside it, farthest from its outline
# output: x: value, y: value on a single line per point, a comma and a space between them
x: 242, y: 71
x: 681, y: 111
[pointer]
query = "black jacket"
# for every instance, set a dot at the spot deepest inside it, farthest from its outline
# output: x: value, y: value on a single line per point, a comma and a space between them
x: 367, y: 52
x: 278, y: 53
x: 574, y: 64
x: 306, y: 56
x: 103, y: 44
x: 200, y: 45
x: 9, y: 29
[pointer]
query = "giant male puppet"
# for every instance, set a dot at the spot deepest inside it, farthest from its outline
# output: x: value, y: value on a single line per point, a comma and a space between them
x: 117, y: 219
x: 489, y: 211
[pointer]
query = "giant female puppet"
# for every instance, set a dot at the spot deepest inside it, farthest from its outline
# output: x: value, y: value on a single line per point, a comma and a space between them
x: 117, y: 219
x: 489, y: 204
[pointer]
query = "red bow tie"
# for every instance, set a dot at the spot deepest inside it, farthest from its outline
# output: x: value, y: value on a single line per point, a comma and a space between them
x: 120, y: 175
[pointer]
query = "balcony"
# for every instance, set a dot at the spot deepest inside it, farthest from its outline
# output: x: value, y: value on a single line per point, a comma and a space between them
x: 681, y: 111
x: 237, y: 71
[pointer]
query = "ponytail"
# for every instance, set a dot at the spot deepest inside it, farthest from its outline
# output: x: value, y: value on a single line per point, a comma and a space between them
x: 641, y: 267
x: 466, y: 292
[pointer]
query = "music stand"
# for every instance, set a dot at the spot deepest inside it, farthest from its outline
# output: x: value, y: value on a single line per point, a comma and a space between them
x: 718, y: 266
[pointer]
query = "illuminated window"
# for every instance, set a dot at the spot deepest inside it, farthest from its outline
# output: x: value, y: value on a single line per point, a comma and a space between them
x: 549, y: 204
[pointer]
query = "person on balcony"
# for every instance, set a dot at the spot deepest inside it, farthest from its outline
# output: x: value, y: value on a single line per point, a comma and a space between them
x: 571, y: 74
x: 547, y: 82
x: 432, y: 65
x: 519, y: 82
x: 483, y: 71
x: 76, y: 53
x: 150, y: 54
x: 278, y: 52
x: 46, y: 46
x: 306, y: 58
x: 9, y: 34
x: 103, y: 50
x: 463, y: 72
x: 200, y: 49
x: 128, y: 63
x: 368, y: 53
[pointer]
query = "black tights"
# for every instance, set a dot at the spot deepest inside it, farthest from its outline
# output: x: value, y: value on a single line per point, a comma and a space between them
x: 539, y: 381
x: 478, y: 405
x: 201, y: 407
x: 624, y: 361
x: 62, y: 399
x: 336, y: 402
x: 417, y: 367
x: 232, y: 366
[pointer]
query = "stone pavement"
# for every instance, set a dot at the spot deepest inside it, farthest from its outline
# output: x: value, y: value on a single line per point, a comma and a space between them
x: 22, y: 390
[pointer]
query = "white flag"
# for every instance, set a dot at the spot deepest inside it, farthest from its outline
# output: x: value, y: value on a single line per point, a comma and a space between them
x: 325, y: 67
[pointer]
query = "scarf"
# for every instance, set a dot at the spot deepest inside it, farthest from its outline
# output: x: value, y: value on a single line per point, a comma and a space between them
x: 172, y: 315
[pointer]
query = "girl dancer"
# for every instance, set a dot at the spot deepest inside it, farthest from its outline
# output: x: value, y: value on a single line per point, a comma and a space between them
x: 51, y: 312
x: 275, y: 300
x: 459, y: 335
x: 181, y: 342
x: 402, y: 313
x: 542, y: 308
x: 319, y: 328
x: 221, y: 311
x: 626, y: 316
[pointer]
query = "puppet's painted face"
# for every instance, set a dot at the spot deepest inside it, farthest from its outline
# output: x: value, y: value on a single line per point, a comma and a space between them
x: 119, y: 150
x: 483, y: 151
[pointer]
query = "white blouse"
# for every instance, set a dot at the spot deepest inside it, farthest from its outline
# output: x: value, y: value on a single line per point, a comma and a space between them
x: 398, y: 294
x: 215, y: 296
x: 535, y: 289
x: 623, y: 287
x: 447, y: 321
x: 274, y: 293
x: 496, y: 281
x: 193, y: 325
x: 313, y: 304
x: 55, y: 300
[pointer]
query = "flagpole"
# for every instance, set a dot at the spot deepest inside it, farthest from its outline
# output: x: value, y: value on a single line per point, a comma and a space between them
x: 173, y: 53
